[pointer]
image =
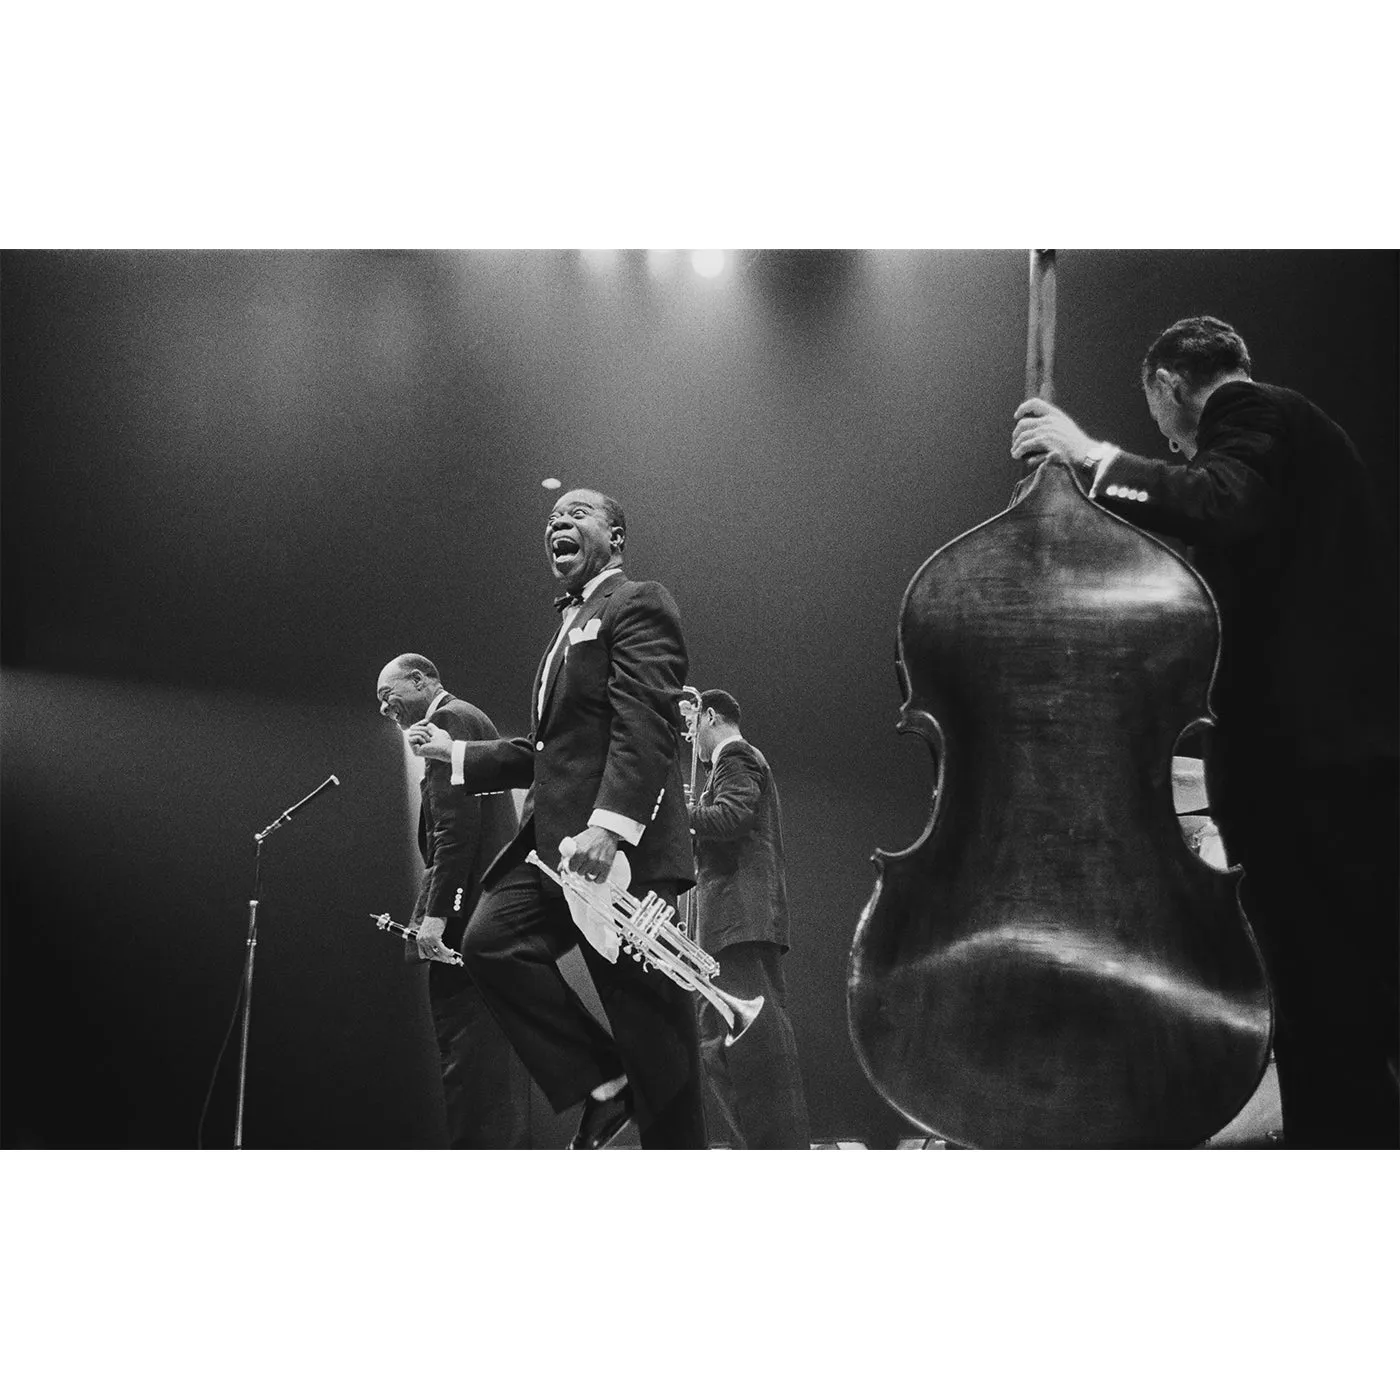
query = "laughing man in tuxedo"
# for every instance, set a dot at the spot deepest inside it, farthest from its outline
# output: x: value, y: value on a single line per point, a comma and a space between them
x: 602, y: 766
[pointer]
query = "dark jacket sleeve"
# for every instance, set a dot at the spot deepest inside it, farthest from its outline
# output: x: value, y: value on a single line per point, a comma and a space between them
x: 728, y: 808
x: 454, y: 820
x: 1229, y: 492
x: 492, y: 765
x: 647, y: 667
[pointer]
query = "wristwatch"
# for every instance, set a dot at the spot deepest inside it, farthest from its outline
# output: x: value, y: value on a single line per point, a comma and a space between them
x: 1095, y: 460
x: 1095, y: 457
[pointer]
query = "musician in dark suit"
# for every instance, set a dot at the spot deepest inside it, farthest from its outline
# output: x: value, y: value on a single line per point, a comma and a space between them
x: 603, y: 768
x: 1282, y: 522
x: 483, y: 1080
x: 741, y: 892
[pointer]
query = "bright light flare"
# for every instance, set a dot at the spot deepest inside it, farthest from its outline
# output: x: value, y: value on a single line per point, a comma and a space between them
x: 599, y: 259
x: 708, y: 262
x: 660, y: 261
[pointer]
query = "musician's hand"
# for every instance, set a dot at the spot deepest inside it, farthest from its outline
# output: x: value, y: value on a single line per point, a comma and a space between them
x: 427, y: 740
x: 431, y: 948
x: 1048, y: 433
x: 594, y: 849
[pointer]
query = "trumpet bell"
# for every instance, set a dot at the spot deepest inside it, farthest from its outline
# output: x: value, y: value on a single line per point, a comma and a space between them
x: 745, y: 1013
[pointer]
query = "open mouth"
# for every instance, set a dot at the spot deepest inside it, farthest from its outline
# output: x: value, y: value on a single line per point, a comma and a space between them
x: 562, y: 547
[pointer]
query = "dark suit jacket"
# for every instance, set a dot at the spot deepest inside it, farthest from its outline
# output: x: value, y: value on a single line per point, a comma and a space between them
x: 1284, y: 526
x: 458, y: 834
x: 738, y: 824
x: 608, y: 736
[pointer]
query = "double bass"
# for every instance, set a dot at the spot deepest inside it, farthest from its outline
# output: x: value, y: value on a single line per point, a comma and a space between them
x: 1050, y: 964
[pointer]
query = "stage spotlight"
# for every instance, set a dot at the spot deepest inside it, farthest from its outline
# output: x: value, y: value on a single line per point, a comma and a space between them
x: 708, y: 262
x: 551, y: 483
x: 659, y: 261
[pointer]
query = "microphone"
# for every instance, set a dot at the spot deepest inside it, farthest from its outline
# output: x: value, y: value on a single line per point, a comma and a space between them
x: 286, y: 816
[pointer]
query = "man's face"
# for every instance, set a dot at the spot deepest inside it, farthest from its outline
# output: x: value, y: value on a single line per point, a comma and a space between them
x: 403, y: 696
x: 1165, y: 394
x: 578, y: 538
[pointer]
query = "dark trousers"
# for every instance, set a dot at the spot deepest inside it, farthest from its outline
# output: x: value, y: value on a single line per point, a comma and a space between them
x: 483, y: 1082
x: 1322, y: 891
x: 755, y: 1097
x: 511, y: 945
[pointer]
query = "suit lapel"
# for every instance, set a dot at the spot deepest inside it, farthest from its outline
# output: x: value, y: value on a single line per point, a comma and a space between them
x: 556, y: 664
x: 535, y: 709
x: 714, y: 766
x: 591, y: 609
x: 435, y: 715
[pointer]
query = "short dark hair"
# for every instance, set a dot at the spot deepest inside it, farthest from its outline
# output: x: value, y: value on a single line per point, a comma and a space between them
x: 411, y: 661
x: 1199, y: 349
x: 616, y: 517
x: 722, y: 703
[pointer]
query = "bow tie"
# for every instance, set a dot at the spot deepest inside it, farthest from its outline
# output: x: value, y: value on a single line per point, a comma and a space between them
x: 568, y: 600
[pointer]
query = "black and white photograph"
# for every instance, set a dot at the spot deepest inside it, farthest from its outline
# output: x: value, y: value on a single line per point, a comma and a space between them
x: 871, y: 688
x: 1093, y: 642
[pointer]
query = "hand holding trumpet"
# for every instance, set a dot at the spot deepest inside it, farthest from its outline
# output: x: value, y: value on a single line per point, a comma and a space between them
x: 594, y: 849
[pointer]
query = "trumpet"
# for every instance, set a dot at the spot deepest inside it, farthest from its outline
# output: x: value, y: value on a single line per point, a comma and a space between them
x: 649, y: 934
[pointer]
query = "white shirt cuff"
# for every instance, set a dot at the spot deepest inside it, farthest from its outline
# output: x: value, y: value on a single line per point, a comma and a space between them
x: 625, y: 827
x: 459, y: 753
x: 1104, y: 454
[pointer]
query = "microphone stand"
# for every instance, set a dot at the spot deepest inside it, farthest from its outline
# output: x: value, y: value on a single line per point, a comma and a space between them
x: 247, y: 997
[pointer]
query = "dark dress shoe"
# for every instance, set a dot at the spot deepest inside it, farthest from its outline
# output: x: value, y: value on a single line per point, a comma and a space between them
x: 603, y: 1120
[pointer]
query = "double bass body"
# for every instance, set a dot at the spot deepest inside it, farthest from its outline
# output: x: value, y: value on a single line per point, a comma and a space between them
x: 1049, y: 964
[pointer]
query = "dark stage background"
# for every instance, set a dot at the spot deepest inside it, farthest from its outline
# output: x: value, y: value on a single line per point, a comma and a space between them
x: 235, y: 484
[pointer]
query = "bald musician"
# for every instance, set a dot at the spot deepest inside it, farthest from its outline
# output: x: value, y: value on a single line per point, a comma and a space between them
x: 483, y: 1081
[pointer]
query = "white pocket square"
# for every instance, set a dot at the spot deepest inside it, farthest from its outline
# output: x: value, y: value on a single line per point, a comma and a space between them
x: 587, y: 633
